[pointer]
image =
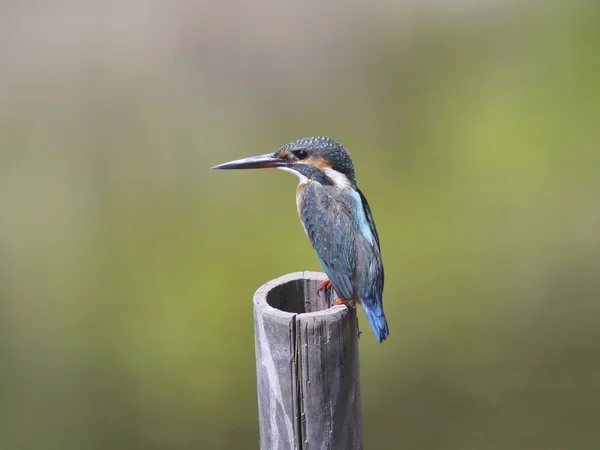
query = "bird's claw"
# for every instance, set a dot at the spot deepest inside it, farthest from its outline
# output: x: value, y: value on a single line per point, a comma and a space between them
x: 324, y: 285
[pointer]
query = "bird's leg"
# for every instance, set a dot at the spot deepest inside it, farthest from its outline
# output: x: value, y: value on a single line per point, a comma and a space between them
x: 324, y: 285
x: 358, y: 328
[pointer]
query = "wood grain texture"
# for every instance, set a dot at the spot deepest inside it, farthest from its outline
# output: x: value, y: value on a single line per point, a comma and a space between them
x: 307, y: 367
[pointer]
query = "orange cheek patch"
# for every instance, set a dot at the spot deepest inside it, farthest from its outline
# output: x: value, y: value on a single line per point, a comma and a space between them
x: 319, y: 163
x: 283, y: 154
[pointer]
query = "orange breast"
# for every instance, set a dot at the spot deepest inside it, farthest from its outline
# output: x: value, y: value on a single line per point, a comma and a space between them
x: 300, y: 202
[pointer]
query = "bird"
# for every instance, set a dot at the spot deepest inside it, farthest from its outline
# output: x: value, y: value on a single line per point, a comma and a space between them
x: 336, y: 218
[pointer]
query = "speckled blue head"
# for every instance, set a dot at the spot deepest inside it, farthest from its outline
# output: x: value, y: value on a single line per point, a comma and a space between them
x: 321, y: 159
x: 314, y: 158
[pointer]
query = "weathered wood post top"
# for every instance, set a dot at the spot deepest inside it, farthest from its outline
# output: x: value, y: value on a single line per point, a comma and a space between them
x: 307, y: 367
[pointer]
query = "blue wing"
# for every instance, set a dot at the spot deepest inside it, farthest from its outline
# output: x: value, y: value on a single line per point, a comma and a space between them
x: 329, y: 225
x: 371, y: 278
x: 369, y: 216
x: 375, y: 287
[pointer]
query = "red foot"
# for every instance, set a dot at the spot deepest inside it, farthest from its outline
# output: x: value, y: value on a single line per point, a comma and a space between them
x: 338, y: 302
x: 325, y: 285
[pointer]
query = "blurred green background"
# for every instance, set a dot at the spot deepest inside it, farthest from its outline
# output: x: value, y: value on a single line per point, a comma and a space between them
x: 127, y: 267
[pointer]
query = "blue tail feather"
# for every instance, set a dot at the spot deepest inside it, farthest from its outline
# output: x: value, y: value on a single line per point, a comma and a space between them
x: 377, y: 321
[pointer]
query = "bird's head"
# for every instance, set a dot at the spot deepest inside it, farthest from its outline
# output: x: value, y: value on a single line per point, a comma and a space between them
x: 311, y: 159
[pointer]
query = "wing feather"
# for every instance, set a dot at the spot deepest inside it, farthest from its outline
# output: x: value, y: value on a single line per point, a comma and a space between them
x: 376, y: 266
x: 331, y: 230
x: 369, y: 215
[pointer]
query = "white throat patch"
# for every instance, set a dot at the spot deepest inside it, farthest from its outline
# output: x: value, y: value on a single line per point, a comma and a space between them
x: 302, y: 178
x: 339, y: 179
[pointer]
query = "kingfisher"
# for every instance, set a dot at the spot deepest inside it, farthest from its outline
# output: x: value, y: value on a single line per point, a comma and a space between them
x: 336, y: 218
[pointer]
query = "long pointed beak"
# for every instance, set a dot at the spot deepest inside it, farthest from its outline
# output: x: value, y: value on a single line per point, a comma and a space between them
x: 253, y: 162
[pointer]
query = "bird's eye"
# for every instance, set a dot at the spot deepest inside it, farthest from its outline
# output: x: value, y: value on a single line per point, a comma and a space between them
x: 300, y: 154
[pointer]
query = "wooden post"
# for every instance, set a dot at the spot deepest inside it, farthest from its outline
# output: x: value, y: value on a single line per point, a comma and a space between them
x: 307, y: 367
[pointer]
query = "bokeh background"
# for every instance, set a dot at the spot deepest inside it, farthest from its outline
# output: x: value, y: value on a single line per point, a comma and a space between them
x: 127, y: 267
